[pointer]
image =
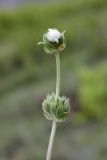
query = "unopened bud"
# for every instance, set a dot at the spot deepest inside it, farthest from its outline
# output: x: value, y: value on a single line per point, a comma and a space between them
x: 54, y: 41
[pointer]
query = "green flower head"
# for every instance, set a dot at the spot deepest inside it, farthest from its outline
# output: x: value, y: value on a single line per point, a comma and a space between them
x: 56, y: 109
x: 54, y: 41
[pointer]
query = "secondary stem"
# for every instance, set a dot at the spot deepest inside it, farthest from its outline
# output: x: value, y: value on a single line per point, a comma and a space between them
x: 51, y: 141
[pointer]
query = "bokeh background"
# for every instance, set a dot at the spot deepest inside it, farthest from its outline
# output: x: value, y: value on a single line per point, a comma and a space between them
x: 27, y: 74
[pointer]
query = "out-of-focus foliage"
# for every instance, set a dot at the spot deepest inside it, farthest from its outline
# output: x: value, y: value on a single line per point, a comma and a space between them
x: 27, y: 73
x: 21, y: 61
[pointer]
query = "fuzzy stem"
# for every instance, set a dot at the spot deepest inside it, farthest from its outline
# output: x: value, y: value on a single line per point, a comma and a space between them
x: 53, y: 131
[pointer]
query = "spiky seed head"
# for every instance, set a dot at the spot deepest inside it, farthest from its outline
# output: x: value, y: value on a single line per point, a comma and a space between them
x: 56, y: 109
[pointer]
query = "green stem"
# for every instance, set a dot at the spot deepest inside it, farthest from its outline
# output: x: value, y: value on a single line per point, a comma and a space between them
x: 53, y: 131
x: 51, y: 141
x: 58, y: 74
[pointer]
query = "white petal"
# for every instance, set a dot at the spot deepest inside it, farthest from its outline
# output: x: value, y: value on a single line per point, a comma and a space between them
x: 53, y: 35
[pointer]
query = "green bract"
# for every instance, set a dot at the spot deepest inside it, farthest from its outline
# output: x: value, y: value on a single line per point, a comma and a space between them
x: 56, y: 109
x: 53, y: 45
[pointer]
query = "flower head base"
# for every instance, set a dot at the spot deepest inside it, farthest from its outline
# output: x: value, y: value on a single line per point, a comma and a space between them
x: 56, y: 109
x: 54, y: 41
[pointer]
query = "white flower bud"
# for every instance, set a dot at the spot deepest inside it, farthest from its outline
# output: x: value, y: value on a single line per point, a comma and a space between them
x: 53, y: 41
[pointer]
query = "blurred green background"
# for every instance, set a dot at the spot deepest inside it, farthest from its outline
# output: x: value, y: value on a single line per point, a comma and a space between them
x: 27, y: 74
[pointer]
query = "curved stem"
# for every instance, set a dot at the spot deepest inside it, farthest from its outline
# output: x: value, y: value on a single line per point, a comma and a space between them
x: 51, y: 141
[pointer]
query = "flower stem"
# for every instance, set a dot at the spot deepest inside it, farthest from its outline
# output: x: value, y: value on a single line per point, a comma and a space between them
x: 53, y: 131
x: 58, y: 75
x: 51, y: 141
